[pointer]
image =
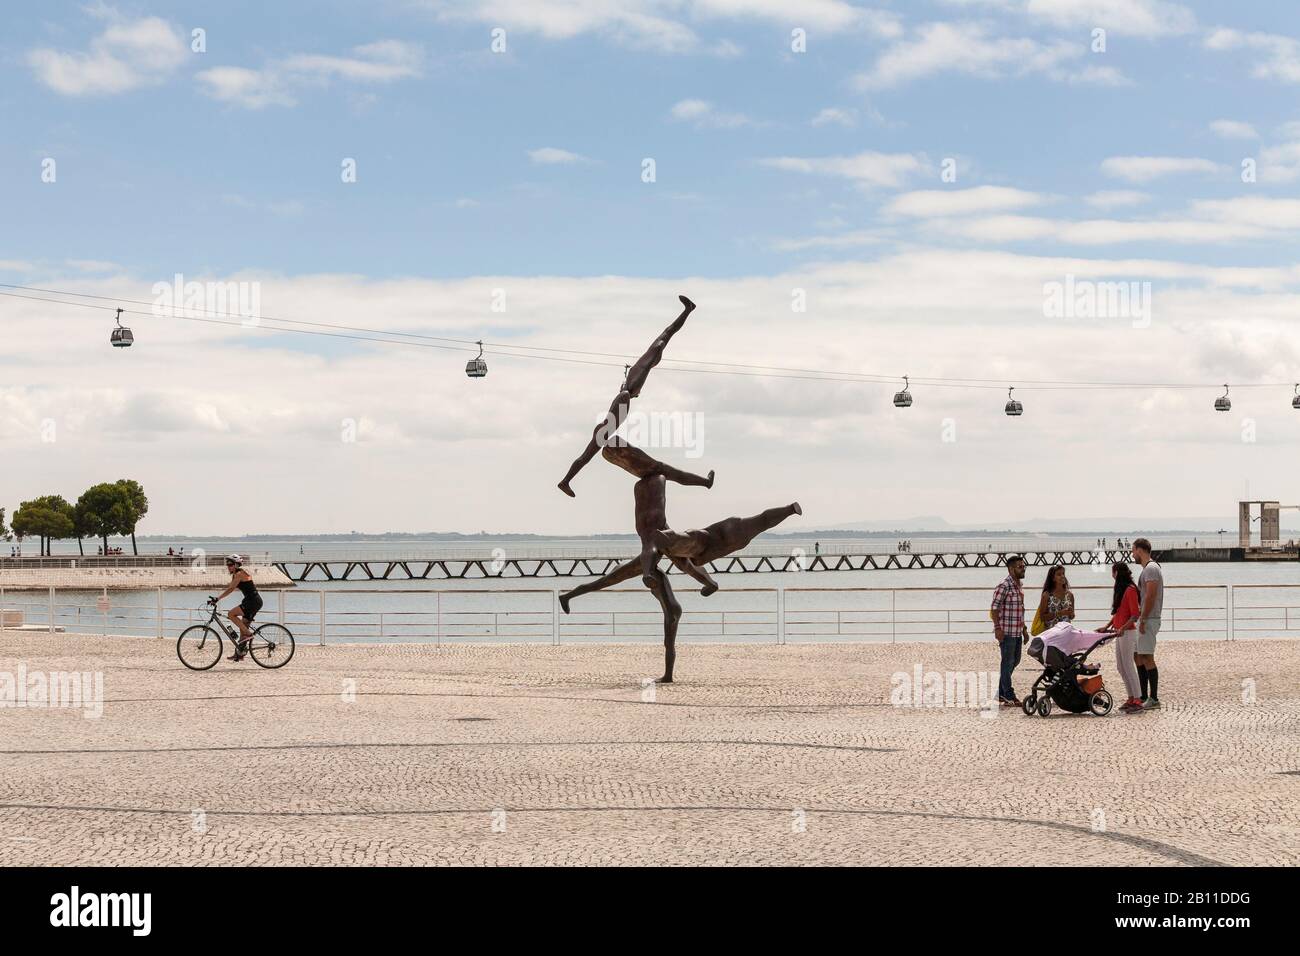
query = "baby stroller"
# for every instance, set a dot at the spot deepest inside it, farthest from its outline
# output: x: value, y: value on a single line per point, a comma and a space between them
x: 1068, y: 680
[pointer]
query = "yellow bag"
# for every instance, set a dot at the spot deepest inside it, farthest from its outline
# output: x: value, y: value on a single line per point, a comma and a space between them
x: 1038, y: 626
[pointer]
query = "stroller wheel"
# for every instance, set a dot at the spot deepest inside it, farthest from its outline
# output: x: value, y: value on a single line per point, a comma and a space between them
x: 1029, y: 705
x: 1044, y: 706
x: 1101, y: 702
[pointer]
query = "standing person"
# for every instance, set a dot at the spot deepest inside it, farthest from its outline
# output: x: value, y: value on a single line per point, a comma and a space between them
x: 1008, y: 613
x: 1124, y: 613
x: 1151, y: 584
x: 1057, y: 601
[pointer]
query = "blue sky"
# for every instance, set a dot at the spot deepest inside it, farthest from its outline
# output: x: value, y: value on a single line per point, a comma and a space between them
x: 259, y: 188
x: 775, y: 170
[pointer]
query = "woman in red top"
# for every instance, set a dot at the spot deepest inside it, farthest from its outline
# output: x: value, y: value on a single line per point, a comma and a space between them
x: 1124, y: 614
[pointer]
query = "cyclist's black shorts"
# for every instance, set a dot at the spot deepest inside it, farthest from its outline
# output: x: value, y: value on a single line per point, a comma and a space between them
x: 250, y: 606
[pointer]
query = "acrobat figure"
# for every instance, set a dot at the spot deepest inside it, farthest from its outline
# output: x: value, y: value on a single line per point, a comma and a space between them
x: 690, y: 552
x: 636, y: 376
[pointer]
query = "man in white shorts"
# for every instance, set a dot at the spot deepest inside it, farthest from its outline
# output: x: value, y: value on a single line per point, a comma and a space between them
x: 1151, y: 587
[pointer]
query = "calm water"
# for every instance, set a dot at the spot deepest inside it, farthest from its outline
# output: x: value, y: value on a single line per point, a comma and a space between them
x: 823, y: 606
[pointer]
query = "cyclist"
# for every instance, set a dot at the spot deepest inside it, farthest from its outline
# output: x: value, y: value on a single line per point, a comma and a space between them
x: 244, y: 612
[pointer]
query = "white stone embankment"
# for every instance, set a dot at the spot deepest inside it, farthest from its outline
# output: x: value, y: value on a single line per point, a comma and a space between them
x: 209, y: 578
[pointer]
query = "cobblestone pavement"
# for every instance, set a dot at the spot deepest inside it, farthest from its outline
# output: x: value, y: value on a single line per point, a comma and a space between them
x: 763, y: 754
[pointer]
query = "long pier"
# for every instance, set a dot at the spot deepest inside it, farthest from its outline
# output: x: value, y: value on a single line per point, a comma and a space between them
x: 798, y: 560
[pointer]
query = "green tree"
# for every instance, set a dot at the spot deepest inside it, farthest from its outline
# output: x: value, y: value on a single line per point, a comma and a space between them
x: 137, y: 506
x: 4, y: 532
x: 49, y: 517
x: 102, y: 510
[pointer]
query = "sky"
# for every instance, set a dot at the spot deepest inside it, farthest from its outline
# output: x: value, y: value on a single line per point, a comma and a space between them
x: 930, y: 189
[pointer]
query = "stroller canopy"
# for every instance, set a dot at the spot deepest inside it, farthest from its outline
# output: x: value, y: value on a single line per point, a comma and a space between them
x: 1067, y: 640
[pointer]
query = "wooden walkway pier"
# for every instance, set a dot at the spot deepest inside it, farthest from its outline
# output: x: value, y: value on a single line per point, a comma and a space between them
x: 797, y: 560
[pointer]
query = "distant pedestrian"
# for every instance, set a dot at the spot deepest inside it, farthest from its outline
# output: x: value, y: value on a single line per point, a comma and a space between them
x: 1008, y: 614
x: 1151, y: 585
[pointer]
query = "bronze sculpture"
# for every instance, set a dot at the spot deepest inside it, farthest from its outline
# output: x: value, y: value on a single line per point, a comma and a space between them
x: 690, y: 552
x: 632, y: 384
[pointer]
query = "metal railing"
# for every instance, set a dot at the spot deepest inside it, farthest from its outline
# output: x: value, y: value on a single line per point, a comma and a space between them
x: 773, y: 614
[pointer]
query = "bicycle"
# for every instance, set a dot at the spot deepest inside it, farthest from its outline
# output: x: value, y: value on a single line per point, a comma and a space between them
x: 199, y: 647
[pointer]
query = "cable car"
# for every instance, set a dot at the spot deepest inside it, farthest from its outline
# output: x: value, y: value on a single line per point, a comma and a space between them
x: 1014, y: 408
x: 476, y: 367
x: 1295, y: 402
x: 121, y: 336
x: 1223, y: 403
x: 903, y: 399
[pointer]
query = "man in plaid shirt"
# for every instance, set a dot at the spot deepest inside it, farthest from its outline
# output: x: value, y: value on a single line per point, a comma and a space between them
x: 1008, y: 613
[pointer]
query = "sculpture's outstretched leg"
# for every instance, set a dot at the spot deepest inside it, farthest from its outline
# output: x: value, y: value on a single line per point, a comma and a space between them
x: 685, y: 477
x: 698, y: 573
x: 600, y: 435
x: 640, y: 370
x: 624, y: 572
x: 640, y: 465
x: 636, y: 376
x: 722, y: 537
x: 663, y: 592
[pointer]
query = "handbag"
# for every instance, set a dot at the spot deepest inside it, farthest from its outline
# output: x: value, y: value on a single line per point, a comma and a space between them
x: 1038, y: 626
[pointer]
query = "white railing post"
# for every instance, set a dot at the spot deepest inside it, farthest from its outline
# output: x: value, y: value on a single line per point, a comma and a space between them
x: 437, y: 633
x: 780, y: 615
x: 160, y: 612
x: 555, y: 617
x: 1230, y: 599
x: 322, y: 616
x: 893, y: 616
x: 51, y: 621
x: 281, y: 593
x: 2, y: 610
x: 381, y: 624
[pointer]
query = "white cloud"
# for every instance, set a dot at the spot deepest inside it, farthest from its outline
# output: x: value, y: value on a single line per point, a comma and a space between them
x: 1280, y: 163
x: 1233, y: 129
x: 836, y: 115
x: 1278, y: 57
x: 665, y: 26
x: 1112, y: 198
x: 703, y: 115
x: 1141, y: 169
x: 1216, y: 228
x: 972, y: 48
x: 867, y: 169
x: 552, y: 156
x: 251, y: 89
x: 380, y: 62
x: 1262, y: 212
x: 1121, y: 17
x: 276, y: 83
x: 844, y: 240
x: 929, y: 311
x: 959, y: 202
x: 128, y: 55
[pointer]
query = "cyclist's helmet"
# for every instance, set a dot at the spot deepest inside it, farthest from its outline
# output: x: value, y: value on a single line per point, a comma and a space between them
x: 234, y: 559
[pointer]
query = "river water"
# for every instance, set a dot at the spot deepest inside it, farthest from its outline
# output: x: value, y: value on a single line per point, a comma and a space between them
x: 1212, y: 600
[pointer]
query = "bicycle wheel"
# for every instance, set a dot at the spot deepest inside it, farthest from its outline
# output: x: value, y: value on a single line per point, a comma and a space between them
x: 271, y: 645
x: 199, y: 647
